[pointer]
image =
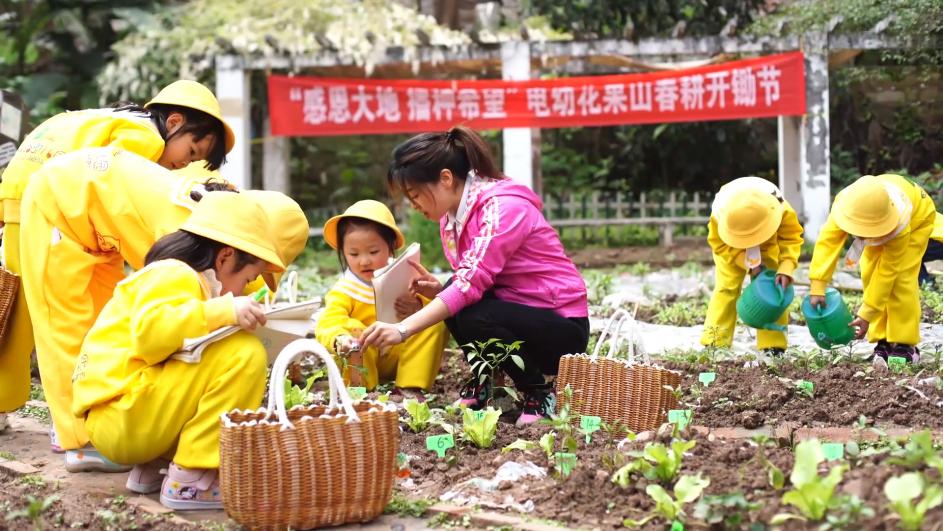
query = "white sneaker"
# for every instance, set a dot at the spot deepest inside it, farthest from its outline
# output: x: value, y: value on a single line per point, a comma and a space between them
x: 88, y: 459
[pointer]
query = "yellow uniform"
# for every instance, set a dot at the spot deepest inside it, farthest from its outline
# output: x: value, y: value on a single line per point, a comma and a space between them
x: 889, y: 265
x: 779, y: 252
x: 84, y: 215
x: 60, y: 134
x: 140, y: 404
x: 349, y: 308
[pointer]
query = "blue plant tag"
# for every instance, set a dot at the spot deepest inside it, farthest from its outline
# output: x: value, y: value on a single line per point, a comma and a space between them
x: 357, y: 393
x: 681, y: 417
x: 707, y: 378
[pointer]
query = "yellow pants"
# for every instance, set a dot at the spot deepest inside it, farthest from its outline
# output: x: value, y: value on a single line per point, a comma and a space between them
x: 412, y: 364
x: 65, y: 289
x: 173, y: 410
x: 17, y: 345
x: 900, y: 322
x: 721, y: 317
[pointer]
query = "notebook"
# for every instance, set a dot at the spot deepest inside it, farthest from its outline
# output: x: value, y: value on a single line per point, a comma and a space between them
x: 392, y: 282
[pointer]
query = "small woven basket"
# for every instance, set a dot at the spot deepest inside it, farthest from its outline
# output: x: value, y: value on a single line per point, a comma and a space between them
x: 9, y: 286
x: 311, y: 466
x: 632, y: 395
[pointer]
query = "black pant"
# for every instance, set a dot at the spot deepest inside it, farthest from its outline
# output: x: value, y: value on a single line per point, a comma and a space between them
x: 934, y: 252
x: 545, y: 334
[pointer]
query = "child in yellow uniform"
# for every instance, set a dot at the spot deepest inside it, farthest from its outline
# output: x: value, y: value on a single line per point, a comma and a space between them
x: 891, y: 220
x: 140, y: 404
x: 182, y: 123
x: 365, y: 236
x: 751, y: 227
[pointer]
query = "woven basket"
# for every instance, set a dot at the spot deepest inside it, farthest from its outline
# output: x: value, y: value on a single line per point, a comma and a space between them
x: 311, y: 466
x: 9, y: 285
x: 623, y: 392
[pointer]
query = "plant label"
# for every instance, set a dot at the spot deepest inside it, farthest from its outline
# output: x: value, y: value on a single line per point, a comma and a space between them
x: 440, y: 443
x: 805, y: 386
x: 896, y: 363
x: 677, y: 526
x: 565, y: 462
x: 833, y: 451
x: 590, y: 424
x: 707, y: 378
x: 681, y: 417
x: 357, y: 393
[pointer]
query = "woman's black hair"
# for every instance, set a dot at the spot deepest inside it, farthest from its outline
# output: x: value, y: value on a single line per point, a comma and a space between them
x: 356, y: 222
x: 198, y: 252
x: 196, y: 122
x: 212, y: 185
x: 420, y: 159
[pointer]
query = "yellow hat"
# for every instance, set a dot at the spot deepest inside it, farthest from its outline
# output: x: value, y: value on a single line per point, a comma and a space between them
x: 864, y: 209
x: 749, y: 218
x: 289, y: 228
x: 186, y: 93
x: 236, y: 220
x: 367, y: 209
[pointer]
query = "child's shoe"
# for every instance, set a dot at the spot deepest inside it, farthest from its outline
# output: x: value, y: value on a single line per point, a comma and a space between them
x: 882, y: 349
x: 908, y: 352
x: 186, y: 489
x: 538, y: 404
x: 54, y: 442
x: 147, y: 478
x: 88, y: 459
x: 408, y: 392
x: 474, y: 395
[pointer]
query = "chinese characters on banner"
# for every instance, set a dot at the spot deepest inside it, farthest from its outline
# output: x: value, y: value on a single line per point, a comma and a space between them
x: 753, y: 88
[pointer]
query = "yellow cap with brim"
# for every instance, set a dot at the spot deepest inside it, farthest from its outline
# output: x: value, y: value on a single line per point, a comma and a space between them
x: 366, y: 209
x: 749, y: 218
x: 864, y: 209
x: 186, y: 93
x: 235, y: 220
x: 289, y: 228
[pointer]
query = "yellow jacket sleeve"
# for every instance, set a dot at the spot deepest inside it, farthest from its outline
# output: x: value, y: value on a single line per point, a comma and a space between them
x: 828, y: 247
x: 723, y: 253
x: 168, y: 306
x: 789, y: 238
x: 336, y: 319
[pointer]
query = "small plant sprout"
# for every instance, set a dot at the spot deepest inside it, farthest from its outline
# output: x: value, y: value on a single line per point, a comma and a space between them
x: 298, y: 396
x: 732, y: 510
x: 774, y: 475
x: 418, y: 415
x: 546, y: 443
x: 656, y: 462
x: 811, y: 494
x: 487, y: 357
x: 480, y: 427
x: 34, y: 509
x: 669, y: 507
x: 562, y: 423
x: 903, y: 491
x: 520, y: 444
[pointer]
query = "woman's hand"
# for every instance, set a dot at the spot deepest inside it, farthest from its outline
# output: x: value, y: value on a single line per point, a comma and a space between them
x: 407, y: 305
x: 380, y: 335
x: 249, y: 313
x: 817, y: 301
x: 784, y: 280
x: 860, y: 326
x: 426, y: 285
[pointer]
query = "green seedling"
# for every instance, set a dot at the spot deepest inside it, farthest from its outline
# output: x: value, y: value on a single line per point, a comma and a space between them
x: 440, y: 443
x: 805, y: 388
x: 845, y: 512
x: 298, y: 396
x: 480, y: 430
x: 589, y: 424
x: 562, y: 423
x: 520, y: 444
x: 564, y: 462
x: 896, y: 363
x: 656, y: 462
x: 418, y: 415
x: 811, y: 494
x: 732, y: 510
x: 774, y: 474
x: 669, y: 507
x: 903, y: 490
x: 34, y: 509
x: 486, y: 357
x: 707, y: 378
x: 918, y: 450
x: 546, y: 443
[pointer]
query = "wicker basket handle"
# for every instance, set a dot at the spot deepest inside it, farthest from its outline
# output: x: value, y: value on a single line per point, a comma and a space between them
x: 336, y: 382
x: 617, y: 318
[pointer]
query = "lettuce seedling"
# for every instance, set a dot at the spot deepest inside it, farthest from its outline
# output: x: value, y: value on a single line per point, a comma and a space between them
x: 903, y: 490
x: 686, y: 490
x: 480, y: 429
x: 656, y: 462
x: 295, y: 396
x: 811, y: 493
x: 419, y: 415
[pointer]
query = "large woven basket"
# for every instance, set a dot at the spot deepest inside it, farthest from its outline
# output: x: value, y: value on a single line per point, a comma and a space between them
x: 619, y: 391
x: 311, y: 466
x: 9, y: 285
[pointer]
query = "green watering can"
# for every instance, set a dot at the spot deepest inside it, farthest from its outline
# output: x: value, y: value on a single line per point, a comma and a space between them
x: 763, y: 302
x: 829, y: 325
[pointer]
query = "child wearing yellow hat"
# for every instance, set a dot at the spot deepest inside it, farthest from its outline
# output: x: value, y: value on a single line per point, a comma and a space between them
x: 140, y: 405
x: 365, y: 237
x: 891, y: 220
x: 751, y: 227
x: 183, y: 123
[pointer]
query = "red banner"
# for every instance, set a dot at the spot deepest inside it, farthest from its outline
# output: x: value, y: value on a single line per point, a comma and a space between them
x: 752, y: 88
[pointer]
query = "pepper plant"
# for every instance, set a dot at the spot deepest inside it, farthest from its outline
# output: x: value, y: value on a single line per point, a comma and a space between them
x: 487, y: 357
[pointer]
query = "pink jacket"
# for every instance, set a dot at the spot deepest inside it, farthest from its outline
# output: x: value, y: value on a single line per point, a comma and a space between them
x: 502, y: 242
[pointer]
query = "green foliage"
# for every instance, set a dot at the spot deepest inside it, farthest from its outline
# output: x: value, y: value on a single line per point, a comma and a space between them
x: 656, y: 462
x: 903, y: 491
x: 562, y: 424
x: 682, y: 312
x: 418, y: 415
x: 731, y: 509
x: 34, y: 509
x: 918, y: 451
x: 404, y: 506
x: 811, y: 494
x: 774, y: 474
x: 671, y: 508
x: 599, y: 284
x: 298, y: 396
x: 487, y: 357
x: 522, y: 445
x: 480, y: 429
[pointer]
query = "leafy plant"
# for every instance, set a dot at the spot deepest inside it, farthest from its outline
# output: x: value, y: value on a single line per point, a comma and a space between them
x: 480, y: 427
x: 775, y: 475
x: 403, y: 506
x: 671, y: 508
x: 34, y: 509
x: 562, y: 424
x: 418, y: 415
x: 902, y: 491
x: 845, y: 513
x: 731, y: 509
x: 811, y: 493
x: 520, y: 444
x: 656, y: 462
x: 487, y: 357
x: 918, y: 450
x: 298, y: 396
x: 546, y: 443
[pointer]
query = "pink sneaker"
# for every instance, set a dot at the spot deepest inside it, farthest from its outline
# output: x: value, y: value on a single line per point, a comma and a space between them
x: 147, y: 478
x: 186, y: 489
x: 54, y: 442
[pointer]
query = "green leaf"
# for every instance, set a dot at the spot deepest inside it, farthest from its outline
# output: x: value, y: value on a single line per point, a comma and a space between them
x: 782, y: 518
x: 808, y: 456
x: 520, y: 444
x: 664, y: 504
x: 518, y: 361
x: 904, y: 488
x: 688, y: 488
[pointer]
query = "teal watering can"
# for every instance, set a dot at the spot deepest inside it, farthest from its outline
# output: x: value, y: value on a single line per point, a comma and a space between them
x: 829, y: 324
x: 763, y: 302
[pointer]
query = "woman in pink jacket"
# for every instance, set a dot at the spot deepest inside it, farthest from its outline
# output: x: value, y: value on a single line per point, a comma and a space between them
x: 512, y: 279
